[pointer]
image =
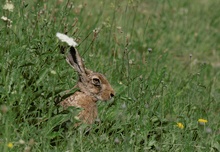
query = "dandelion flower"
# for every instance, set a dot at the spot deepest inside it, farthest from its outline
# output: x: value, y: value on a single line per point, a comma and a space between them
x: 10, y: 145
x: 202, y: 121
x: 180, y: 125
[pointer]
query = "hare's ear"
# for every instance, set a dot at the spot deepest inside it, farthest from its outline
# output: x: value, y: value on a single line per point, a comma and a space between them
x: 75, y: 61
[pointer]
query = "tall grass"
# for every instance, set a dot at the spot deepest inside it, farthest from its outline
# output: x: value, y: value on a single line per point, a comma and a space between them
x: 161, y: 57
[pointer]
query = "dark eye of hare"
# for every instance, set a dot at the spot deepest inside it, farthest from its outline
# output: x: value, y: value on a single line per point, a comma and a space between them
x: 96, y: 82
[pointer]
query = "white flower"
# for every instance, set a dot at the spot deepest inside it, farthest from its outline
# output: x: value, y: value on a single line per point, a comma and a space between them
x: 21, y: 142
x: 6, y: 19
x: 67, y: 39
x: 8, y: 6
x: 96, y: 30
x: 53, y: 72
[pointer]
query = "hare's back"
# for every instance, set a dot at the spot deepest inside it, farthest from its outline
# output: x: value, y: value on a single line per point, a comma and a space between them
x: 72, y: 100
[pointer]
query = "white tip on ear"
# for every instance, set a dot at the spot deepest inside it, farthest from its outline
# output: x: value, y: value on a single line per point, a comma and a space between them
x: 67, y: 39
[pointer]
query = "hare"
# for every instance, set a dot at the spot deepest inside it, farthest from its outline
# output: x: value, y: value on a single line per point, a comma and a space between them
x: 92, y: 86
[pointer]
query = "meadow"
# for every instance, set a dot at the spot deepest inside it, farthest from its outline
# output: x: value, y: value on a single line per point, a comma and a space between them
x: 162, y: 58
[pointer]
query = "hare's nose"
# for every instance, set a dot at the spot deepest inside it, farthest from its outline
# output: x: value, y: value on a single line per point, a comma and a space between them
x: 112, y: 95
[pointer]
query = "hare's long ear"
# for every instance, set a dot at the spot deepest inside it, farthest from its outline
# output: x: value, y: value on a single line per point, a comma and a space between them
x: 75, y: 61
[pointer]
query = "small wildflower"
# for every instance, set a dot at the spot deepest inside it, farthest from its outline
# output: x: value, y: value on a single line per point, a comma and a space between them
x: 140, y: 77
x: 4, y: 18
x: 149, y: 50
x: 80, y: 6
x: 96, y: 32
x: 180, y: 125
x: 22, y: 142
x: 8, y: 6
x: 53, y: 72
x: 117, y: 140
x: 91, y: 55
x: 7, y: 21
x: 202, y: 121
x: 130, y: 61
x: 119, y: 29
x: 10, y: 145
x: 14, y: 92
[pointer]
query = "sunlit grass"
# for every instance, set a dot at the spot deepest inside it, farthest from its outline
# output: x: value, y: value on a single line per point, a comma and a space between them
x: 161, y: 57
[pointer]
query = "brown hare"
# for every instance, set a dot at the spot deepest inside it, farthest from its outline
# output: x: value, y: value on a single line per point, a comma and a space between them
x: 93, y: 86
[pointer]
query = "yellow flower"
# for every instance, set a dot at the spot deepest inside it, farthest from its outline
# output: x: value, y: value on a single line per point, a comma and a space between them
x: 10, y: 145
x: 180, y: 125
x: 202, y: 121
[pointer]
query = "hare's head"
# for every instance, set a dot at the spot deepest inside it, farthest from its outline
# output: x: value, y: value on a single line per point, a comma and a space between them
x: 92, y: 83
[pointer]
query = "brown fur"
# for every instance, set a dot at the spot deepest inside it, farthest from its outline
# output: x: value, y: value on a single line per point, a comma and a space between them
x: 89, y: 112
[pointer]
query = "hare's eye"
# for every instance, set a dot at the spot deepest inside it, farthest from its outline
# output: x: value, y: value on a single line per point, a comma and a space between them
x: 96, y: 82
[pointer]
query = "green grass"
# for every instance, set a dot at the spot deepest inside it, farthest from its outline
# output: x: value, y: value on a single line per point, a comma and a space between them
x: 154, y: 90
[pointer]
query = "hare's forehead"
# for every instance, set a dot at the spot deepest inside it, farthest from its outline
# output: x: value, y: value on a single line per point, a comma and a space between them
x: 98, y: 75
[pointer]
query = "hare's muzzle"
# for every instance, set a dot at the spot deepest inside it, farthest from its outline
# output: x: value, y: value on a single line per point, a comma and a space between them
x: 112, y: 95
x: 107, y: 95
